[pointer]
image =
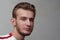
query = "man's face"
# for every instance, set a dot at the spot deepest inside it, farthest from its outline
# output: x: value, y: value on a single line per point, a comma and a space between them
x: 24, y: 22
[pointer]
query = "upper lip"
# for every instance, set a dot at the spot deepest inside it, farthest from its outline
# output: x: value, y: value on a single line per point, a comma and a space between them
x: 27, y: 28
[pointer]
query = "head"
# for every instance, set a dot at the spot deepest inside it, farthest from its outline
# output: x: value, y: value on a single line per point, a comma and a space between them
x: 23, y: 16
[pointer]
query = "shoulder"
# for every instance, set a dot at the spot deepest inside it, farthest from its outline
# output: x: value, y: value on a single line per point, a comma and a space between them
x: 5, y: 36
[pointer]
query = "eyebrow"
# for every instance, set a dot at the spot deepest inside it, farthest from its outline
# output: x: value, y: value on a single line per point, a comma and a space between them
x: 27, y: 17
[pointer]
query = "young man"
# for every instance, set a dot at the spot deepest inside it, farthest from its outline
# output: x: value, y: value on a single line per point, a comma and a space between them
x: 22, y: 20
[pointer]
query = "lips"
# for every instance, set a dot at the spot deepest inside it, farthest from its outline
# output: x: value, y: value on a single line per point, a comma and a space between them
x: 27, y: 29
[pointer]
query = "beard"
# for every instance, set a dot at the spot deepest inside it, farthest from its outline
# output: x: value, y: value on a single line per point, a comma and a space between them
x: 20, y: 32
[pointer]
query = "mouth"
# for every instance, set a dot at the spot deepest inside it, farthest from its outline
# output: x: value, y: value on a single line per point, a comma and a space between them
x: 28, y: 29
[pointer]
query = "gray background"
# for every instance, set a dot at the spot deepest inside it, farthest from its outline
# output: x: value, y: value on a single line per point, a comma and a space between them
x: 47, y: 22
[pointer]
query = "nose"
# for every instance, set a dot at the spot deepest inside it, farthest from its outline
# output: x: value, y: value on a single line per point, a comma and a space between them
x: 28, y: 23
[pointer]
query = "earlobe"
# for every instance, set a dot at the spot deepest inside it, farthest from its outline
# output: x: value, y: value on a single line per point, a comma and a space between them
x: 12, y: 21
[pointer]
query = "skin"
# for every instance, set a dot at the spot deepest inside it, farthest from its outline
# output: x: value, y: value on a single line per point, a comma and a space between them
x: 23, y: 24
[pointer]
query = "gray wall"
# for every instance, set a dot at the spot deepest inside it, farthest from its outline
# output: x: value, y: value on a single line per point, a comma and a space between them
x: 47, y: 22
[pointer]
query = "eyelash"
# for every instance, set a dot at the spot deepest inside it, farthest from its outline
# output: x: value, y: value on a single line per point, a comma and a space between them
x: 31, y: 19
x: 23, y: 19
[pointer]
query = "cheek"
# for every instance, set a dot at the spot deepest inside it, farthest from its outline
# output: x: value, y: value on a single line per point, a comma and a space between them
x: 20, y: 25
x: 32, y: 23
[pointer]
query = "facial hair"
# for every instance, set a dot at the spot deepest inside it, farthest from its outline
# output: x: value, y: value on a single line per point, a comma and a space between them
x: 21, y: 33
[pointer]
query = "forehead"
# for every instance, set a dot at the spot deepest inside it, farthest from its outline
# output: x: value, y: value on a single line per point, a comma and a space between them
x: 24, y: 13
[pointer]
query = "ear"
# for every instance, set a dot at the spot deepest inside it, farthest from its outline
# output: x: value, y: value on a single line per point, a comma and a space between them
x: 13, y: 21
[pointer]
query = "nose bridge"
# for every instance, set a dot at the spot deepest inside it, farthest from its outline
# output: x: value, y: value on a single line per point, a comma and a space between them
x: 28, y: 22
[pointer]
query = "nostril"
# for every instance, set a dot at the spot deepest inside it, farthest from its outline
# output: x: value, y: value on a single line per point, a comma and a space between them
x: 28, y: 25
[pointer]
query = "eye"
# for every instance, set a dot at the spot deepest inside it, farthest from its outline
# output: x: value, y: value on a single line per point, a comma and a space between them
x: 23, y: 18
x: 31, y: 19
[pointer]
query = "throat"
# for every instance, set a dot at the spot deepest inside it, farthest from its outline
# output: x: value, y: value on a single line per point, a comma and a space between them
x: 18, y: 36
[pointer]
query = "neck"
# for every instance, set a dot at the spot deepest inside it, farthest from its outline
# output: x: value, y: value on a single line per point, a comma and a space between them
x: 17, y: 35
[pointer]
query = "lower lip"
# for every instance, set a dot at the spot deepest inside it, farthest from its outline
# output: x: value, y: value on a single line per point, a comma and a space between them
x: 27, y: 29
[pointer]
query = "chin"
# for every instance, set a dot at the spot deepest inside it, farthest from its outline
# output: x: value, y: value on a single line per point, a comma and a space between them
x: 25, y: 33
